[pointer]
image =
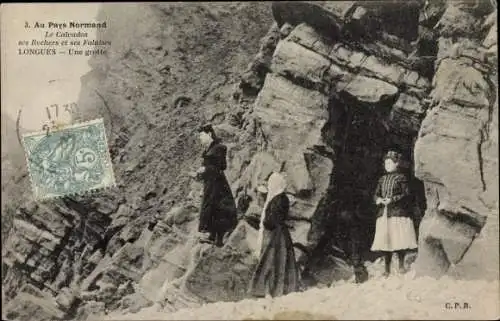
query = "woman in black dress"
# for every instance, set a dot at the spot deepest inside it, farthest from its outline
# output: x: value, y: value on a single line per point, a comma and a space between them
x: 277, y: 272
x: 218, y: 208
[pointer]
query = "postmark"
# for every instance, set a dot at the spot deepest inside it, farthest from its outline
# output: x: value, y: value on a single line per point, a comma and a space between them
x: 72, y: 159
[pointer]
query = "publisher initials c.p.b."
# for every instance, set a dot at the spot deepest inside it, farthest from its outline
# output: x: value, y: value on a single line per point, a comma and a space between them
x: 457, y: 305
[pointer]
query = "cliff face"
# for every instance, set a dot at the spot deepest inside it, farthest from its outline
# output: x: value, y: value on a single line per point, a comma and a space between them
x: 331, y: 86
x: 13, y: 173
x: 457, y: 147
x: 153, y: 89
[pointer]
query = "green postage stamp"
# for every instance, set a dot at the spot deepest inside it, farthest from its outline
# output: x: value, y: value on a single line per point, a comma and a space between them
x: 72, y: 160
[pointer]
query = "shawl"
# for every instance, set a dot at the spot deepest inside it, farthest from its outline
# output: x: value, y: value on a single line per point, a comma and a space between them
x: 275, y: 186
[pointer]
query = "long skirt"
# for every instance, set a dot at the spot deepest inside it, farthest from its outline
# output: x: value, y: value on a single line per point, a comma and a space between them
x: 394, y: 233
x: 277, y: 272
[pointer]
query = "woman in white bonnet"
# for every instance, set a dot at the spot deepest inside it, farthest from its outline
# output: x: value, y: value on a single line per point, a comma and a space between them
x: 277, y: 272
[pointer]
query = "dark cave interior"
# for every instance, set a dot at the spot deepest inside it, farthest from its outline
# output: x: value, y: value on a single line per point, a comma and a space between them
x: 360, y: 137
x: 360, y: 134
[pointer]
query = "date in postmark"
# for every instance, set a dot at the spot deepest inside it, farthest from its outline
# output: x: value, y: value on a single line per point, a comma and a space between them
x: 71, y: 159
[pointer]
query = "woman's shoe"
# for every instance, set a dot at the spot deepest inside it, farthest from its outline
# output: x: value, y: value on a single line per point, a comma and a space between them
x: 402, y: 270
x: 386, y: 274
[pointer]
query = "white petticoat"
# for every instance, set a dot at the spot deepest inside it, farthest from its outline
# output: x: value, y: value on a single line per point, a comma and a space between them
x: 394, y: 233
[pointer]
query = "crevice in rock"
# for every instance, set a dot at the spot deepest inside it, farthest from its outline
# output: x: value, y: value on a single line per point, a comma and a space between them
x: 307, y: 83
x: 359, y: 139
x: 485, y: 130
x: 57, y: 252
x: 482, y: 139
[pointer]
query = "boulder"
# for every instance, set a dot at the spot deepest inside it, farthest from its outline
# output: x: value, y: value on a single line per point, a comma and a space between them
x: 223, y: 274
x: 301, y: 65
x: 369, y: 90
x: 481, y: 261
x: 443, y: 241
x: 288, y: 113
x: 168, y: 266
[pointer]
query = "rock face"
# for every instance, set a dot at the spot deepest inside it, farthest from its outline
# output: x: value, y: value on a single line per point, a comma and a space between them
x: 13, y: 172
x: 461, y: 129
x: 224, y: 274
x: 31, y: 301
x: 331, y: 87
x: 150, y: 93
x: 325, y: 85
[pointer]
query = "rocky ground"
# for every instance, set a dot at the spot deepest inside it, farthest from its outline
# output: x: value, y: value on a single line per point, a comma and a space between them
x: 318, y: 91
x: 400, y: 297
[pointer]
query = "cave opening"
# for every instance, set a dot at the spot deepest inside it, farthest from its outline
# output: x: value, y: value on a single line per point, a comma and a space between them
x: 360, y: 135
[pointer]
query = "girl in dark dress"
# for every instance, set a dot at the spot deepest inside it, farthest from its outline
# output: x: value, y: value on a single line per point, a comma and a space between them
x: 218, y: 208
x: 394, y: 230
x: 277, y: 272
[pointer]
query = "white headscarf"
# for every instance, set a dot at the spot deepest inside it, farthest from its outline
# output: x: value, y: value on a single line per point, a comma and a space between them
x: 275, y: 186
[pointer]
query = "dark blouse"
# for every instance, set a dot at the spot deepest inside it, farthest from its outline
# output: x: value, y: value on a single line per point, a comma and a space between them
x: 396, y: 187
x: 214, y: 158
x: 277, y: 212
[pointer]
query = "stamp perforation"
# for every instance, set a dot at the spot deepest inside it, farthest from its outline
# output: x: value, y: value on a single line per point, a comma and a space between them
x: 108, y: 179
x: 62, y: 128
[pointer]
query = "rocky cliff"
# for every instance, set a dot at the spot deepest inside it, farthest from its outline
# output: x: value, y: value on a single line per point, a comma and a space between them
x: 457, y: 146
x: 320, y: 93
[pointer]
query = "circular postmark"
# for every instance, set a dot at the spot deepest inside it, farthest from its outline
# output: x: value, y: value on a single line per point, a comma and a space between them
x: 56, y: 107
x: 65, y: 146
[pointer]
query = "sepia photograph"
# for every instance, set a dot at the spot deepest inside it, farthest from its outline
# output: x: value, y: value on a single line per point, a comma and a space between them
x: 240, y: 160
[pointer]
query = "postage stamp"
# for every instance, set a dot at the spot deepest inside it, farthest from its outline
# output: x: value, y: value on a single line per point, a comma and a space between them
x: 74, y: 159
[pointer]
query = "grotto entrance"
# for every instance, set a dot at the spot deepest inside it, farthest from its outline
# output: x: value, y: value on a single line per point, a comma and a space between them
x: 359, y: 135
